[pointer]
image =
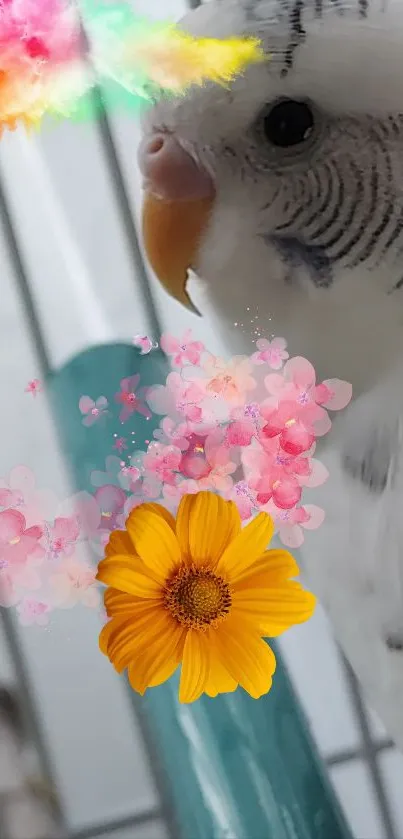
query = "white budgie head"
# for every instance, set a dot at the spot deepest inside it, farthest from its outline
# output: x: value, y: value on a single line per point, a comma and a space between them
x: 284, y: 191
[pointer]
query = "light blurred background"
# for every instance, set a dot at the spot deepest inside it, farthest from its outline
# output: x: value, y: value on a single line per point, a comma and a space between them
x: 73, y: 759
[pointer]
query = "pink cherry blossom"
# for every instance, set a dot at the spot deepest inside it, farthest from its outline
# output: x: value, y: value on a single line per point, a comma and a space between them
x: 163, y: 461
x: 290, y: 523
x: 229, y: 379
x: 221, y: 466
x: 271, y: 478
x: 93, y: 411
x: 110, y: 500
x: 73, y: 583
x: 183, y: 350
x: 144, y: 343
x: 17, y: 542
x: 333, y: 394
x: 131, y: 401
x: 298, y: 384
x: 194, y: 463
x: 37, y: 505
x: 34, y: 387
x: 63, y: 535
x: 32, y: 611
x: 244, y: 424
x: 9, y: 498
x: 120, y: 444
x: 172, y: 433
x: 272, y: 352
x: 17, y: 576
x: 172, y: 493
x: 292, y: 425
x: 178, y: 398
x: 245, y: 499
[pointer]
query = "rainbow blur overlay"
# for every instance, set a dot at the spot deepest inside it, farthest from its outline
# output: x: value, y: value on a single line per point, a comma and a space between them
x: 54, y: 54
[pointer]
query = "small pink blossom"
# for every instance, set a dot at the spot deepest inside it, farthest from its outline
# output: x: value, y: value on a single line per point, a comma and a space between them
x: 178, y: 398
x: 17, y: 542
x: 245, y: 499
x: 120, y: 444
x: 110, y: 500
x: 270, y: 478
x: 162, y: 461
x: 272, y: 352
x: 173, y: 434
x: 292, y: 425
x: 244, y: 425
x: 36, y: 504
x: 131, y: 401
x: 34, y: 387
x: 221, y: 465
x: 183, y: 350
x: 229, y: 379
x: 74, y: 583
x: 63, y: 535
x: 93, y: 411
x: 32, y: 611
x: 132, y: 473
x: 291, y: 523
x: 144, y: 343
x: 194, y: 463
x: 9, y: 498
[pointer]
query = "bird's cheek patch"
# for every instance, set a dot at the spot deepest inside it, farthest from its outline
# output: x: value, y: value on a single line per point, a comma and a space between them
x: 172, y: 232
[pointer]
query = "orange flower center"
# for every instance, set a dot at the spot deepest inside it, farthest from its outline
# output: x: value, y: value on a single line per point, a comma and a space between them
x: 197, y: 598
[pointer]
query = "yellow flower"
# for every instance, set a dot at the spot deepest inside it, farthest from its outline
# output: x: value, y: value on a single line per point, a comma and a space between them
x: 199, y: 590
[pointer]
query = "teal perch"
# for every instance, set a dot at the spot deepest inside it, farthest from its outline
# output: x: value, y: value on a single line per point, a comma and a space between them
x: 233, y: 767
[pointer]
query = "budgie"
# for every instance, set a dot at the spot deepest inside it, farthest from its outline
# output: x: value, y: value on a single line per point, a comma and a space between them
x: 283, y: 192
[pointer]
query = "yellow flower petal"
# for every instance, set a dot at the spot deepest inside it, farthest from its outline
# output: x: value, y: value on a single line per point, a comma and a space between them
x: 117, y: 603
x: 119, y: 573
x: 205, y: 525
x: 195, y: 666
x: 246, y: 548
x: 119, y: 543
x: 280, y: 564
x: 128, y: 636
x: 219, y: 680
x: 248, y: 659
x: 106, y: 631
x: 276, y: 609
x: 154, y: 541
x: 159, y: 510
x: 156, y: 654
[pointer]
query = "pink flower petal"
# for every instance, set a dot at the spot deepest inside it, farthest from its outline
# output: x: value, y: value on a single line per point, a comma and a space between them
x: 12, y: 525
x: 318, y: 475
x: 296, y: 439
x: 169, y: 344
x: 274, y: 384
x: 301, y: 372
x: 86, y: 404
x: 340, y: 394
x: 291, y: 535
x: 316, y: 517
x: 89, y: 420
x: 286, y: 493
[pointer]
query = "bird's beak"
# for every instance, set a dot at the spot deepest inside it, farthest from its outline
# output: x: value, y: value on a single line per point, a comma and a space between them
x: 172, y: 232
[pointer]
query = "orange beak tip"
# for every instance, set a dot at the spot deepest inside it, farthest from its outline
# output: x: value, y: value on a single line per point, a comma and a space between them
x: 172, y: 231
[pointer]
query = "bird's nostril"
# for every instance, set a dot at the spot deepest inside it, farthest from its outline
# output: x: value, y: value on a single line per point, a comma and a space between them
x: 170, y: 172
x: 155, y: 145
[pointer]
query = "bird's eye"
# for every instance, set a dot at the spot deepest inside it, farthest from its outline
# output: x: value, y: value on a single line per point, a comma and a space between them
x: 288, y: 123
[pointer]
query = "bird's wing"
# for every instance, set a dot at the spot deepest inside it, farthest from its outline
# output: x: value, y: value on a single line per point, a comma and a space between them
x: 355, y: 560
